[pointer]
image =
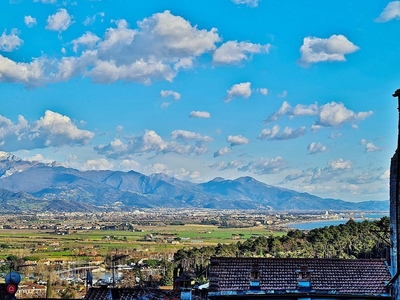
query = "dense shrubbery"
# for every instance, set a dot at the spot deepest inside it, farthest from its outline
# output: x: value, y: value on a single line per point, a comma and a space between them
x: 367, y: 239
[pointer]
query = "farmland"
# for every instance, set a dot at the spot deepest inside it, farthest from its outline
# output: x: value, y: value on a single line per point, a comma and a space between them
x: 45, y: 244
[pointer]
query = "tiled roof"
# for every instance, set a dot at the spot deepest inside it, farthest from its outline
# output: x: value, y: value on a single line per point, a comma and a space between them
x: 341, y: 276
x: 125, y: 294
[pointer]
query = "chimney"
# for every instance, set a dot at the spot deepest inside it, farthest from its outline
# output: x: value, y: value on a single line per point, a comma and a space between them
x: 304, y: 279
x: 255, y: 278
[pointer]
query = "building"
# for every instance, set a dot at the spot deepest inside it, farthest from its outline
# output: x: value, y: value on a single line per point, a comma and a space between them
x: 297, y: 278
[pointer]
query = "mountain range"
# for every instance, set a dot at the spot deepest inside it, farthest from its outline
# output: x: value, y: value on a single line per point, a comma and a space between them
x: 36, y: 186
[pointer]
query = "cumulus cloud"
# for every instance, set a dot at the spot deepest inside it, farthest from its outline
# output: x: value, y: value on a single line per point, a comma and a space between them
x: 51, y: 130
x: 167, y: 93
x: 265, y: 166
x: 339, y: 164
x: 97, y: 164
x: 30, y: 21
x: 200, y: 114
x: 334, y: 114
x: 60, y: 21
x: 128, y: 165
x: 151, y: 142
x: 234, y: 52
x: 305, y: 110
x: 287, y: 134
x: 157, y: 49
x: 189, y: 135
x: 263, y: 91
x: 30, y: 74
x: 9, y: 42
x: 328, y: 115
x: 283, y: 110
x: 175, y: 95
x: 332, y: 49
x: 369, y: 146
x: 222, y: 152
x: 250, y: 3
x: 88, y: 39
x: 315, y: 148
x: 241, y: 89
x: 236, y: 140
x: 223, y: 166
x: 391, y: 11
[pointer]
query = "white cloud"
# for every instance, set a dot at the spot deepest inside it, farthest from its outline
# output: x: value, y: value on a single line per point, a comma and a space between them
x: 167, y: 93
x: 30, y: 74
x: 97, y: 164
x: 391, y: 11
x: 250, y: 3
x: 189, y: 135
x: 223, y: 166
x: 92, y: 19
x: 305, y: 110
x: 39, y: 157
x: 328, y: 115
x: 30, y: 21
x: 52, y: 130
x: 265, y: 166
x: 156, y: 168
x: 339, y: 164
x: 385, y: 176
x: 9, y: 42
x: 234, y: 52
x: 60, y: 21
x: 332, y: 49
x: 88, y: 39
x: 222, y: 152
x: 315, y: 148
x: 335, y: 114
x: 263, y: 91
x: 128, y: 165
x: 151, y: 142
x: 287, y: 134
x: 161, y: 46
x: 200, y: 114
x: 236, y: 140
x: 369, y: 146
x: 241, y: 89
x: 283, y: 110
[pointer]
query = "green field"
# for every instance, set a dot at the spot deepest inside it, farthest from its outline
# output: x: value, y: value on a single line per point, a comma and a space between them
x: 92, y: 243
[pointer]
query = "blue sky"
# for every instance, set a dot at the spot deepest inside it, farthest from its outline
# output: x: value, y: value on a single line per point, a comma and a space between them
x: 296, y: 94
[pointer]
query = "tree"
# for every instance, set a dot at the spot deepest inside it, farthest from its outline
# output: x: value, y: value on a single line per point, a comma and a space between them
x: 68, y: 293
x: 168, y: 278
x: 49, y: 290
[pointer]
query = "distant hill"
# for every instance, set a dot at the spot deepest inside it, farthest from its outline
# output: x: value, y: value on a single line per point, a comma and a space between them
x: 34, y: 186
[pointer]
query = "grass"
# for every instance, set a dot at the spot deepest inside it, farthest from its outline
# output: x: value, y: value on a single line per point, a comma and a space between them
x: 104, y: 241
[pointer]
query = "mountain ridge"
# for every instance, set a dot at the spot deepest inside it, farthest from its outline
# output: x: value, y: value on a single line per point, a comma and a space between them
x: 38, y: 186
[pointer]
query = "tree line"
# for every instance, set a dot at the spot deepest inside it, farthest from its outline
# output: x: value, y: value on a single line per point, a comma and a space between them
x: 367, y: 239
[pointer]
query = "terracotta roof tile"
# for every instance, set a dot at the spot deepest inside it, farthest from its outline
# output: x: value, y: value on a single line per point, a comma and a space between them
x: 341, y: 276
